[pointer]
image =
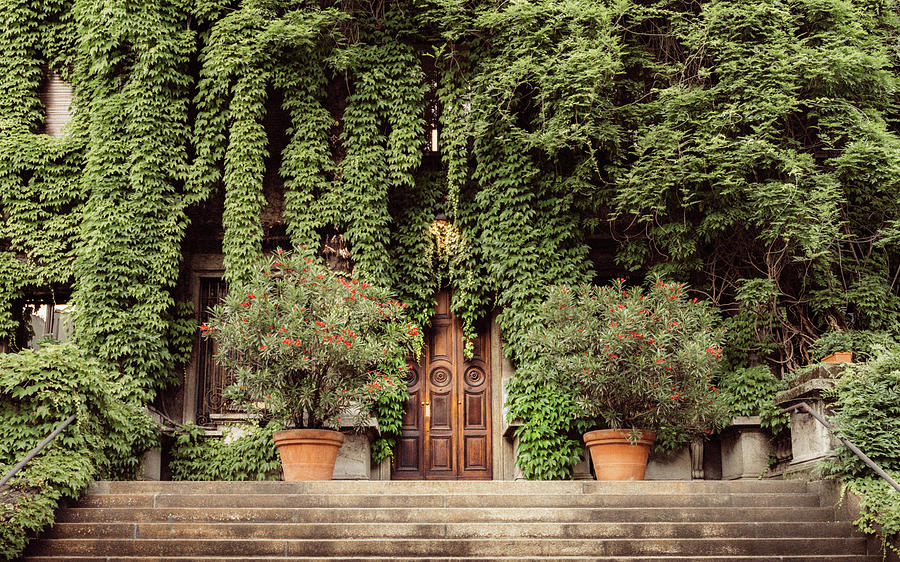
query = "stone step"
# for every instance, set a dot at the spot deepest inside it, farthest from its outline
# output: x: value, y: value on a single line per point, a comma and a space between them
x: 739, y: 521
x: 455, y: 487
x: 446, y: 530
x: 716, y: 558
x: 450, y: 547
x: 424, y: 515
x: 162, y: 501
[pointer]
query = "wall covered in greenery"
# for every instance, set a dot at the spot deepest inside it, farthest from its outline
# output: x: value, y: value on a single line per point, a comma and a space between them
x: 751, y: 147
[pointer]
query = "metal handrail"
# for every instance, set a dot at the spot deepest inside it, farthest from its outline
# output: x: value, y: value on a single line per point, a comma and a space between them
x: 805, y: 408
x: 34, y: 452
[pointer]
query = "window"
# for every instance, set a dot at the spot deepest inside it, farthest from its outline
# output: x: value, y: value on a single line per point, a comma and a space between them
x: 38, y: 321
x: 212, y: 379
x: 56, y: 95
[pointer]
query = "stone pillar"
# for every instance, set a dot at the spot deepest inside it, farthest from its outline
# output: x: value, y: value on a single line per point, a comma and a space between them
x: 151, y: 465
x: 810, y: 441
x: 784, y: 454
x: 354, y: 460
x: 151, y: 461
x: 509, y: 434
x: 746, y: 448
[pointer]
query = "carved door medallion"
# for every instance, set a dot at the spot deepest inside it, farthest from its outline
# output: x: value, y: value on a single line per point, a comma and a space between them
x: 446, y: 433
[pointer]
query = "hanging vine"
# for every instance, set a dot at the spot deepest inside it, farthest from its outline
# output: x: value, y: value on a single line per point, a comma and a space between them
x: 40, y: 199
x: 132, y: 84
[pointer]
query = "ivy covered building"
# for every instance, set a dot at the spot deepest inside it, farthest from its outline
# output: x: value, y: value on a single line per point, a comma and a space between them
x: 466, y: 154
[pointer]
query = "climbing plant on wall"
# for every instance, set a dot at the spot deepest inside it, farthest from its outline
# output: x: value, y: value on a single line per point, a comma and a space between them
x: 40, y: 194
x: 750, y: 146
x: 132, y: 83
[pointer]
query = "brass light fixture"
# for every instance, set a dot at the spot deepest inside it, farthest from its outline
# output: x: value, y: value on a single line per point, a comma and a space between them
x: 445, y: 234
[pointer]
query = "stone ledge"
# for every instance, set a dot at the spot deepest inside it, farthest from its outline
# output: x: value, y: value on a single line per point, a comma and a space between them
x: 740, y: 422
x: 811, y: 388
x: 803, y: 470
x: 821, y: 371
x: 509, y: 428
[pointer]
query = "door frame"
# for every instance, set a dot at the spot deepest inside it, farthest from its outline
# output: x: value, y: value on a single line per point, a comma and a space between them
x: 201, y: 266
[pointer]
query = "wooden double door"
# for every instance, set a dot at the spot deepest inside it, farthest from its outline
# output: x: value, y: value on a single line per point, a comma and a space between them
x: 446, y: 433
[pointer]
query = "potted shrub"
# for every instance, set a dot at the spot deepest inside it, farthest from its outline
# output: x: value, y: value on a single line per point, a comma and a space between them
x: 314, y: 351
x: 639, y: 364
x: 846, y: 346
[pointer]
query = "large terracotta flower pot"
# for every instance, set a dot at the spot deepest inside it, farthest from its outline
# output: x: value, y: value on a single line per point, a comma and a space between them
x: 615, y: 457
x: 308, y: 454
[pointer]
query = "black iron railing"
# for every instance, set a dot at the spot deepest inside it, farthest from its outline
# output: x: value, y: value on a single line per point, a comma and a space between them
x: 805, y: 408
x: 34, y: 452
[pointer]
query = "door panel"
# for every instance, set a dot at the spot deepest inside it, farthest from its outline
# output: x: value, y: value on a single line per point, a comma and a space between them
x: 475, y: 449
x: 474, y: 409
x: 440, y: 343
x: 440, y: 412
x: 475, y: 394
x: 408, y: 458
x: 446, y: 431
x: 441, y: 457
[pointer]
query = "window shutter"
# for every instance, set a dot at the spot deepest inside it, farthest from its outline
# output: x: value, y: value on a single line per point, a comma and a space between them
x: 56, y: 95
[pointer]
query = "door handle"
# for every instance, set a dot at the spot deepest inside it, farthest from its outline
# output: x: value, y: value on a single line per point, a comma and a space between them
x: 427, y: 421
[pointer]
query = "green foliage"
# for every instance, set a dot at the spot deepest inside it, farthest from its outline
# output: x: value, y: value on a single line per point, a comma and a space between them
x: 38, y: 390
x: 879, y: 508
x: 310, y: 344
x: 383, y: 132
x: 388, y: 409
x: 246, y: 455
x: 40, y: 194
x: 761, y: 149
x: 750, y: 391
x: 551, y: 422
x: 132, y: 83
x: 42, y: 388
x: 867, y: 413
x: 420, y: 266
x: 28, y: 504
x: 538, y: 104
x: 752, y: 327
x: 864, y: 344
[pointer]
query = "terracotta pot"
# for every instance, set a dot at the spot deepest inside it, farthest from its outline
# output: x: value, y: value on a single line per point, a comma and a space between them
x: 838, y: 357
x: 308, y: 454
x: 617, y: 458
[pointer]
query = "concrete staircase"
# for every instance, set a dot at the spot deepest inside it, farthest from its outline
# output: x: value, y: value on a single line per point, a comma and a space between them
x: 736, y: 521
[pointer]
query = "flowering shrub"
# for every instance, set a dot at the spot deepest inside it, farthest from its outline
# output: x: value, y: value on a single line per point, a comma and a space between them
x: 633, y: 358
x: 307, y: 345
